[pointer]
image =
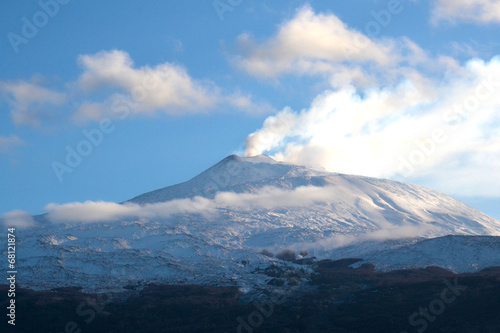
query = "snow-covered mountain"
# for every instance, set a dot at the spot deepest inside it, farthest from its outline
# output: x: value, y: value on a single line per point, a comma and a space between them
x: 241, y: 206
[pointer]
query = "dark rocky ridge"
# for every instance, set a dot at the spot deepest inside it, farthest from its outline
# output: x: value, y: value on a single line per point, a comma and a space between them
x: 337, y: 298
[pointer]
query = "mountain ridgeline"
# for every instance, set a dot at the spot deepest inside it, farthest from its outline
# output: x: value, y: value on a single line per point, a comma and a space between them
x: 226, y: 225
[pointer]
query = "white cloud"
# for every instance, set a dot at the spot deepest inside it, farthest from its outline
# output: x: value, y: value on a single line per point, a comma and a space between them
x: 90, y: 211
x: 111, y: 87
x: 481, y: 11
x: 146, y: 90
x: 265, y: 198
x: 271, y: 198
x: 315, y: 43
x: 17, y: 219
x: 247, y: 103
x: 30, y: 103
x: 368, y: 132
x: 6, y: 143
x: 387, y: 100
x: 383, y: 234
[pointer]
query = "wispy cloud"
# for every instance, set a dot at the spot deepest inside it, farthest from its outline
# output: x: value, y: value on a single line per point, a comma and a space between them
x: 384, y: 234
x: 9, y: 142
x: 166, y: 88
x: 318, y: 43
x: 101, y: 211
x: 30, y: 102
x: 111, y: 87
x: 355, y: 204
x: 17, y: 219
x: 265, y: 198
x: 479, y: 11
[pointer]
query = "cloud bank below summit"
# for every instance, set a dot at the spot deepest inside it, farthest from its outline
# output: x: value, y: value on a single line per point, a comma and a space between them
x: 266, y: 198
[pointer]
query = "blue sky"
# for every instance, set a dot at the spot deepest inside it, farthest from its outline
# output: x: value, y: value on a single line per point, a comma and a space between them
x: 316, y: 82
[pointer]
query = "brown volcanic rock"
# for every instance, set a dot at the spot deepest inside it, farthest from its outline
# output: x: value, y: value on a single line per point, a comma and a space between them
x: 339, y: 298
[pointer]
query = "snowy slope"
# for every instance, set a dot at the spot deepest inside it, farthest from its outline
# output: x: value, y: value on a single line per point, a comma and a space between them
x: 455, y: 253
x: 357, y: 204
x: 392, y: 224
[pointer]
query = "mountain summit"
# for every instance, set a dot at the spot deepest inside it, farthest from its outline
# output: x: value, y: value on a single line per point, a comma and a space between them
x: 353, y: 203
x: 230, y: 172
x: 202, y: 230
x: 224, y: 176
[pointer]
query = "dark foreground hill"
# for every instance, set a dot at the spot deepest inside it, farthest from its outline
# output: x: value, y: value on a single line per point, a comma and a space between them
x: 337, y: 298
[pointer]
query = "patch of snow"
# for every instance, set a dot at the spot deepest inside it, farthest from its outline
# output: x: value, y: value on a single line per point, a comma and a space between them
x: 388, y: 223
